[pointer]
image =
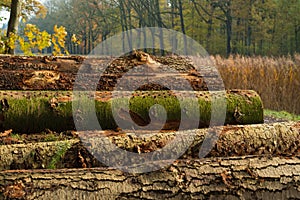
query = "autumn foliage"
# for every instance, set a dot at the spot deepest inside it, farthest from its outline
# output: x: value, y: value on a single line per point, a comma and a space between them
x: 33, y: 39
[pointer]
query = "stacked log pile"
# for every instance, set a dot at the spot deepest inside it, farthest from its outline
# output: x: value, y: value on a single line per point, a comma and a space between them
x: 242, y: 161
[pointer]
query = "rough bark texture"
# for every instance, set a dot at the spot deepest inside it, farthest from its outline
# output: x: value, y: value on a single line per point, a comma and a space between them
x: 219, y: 178
x: 59, y: 73
x: 33, y: 155
x: 276, y: 139
x: 279, y: 139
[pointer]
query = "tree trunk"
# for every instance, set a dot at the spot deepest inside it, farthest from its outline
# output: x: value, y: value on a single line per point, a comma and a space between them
x: 13, y: 22
x: 130, y: 26
x: 219, y: 178
x: 297, y: 46
x: 249, y: 40
x: 249, y: 29
x: 225, y: 7
x: 185, y: 51
x: 210, y: 30
x: 173, y: 16
x: 160, y: 25
x: 228, y: 33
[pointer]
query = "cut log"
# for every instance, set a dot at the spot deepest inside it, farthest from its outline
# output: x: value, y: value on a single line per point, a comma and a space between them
x: 39, y: 155
x: 220, y: 178
x: 279, y: 139
x: 28, y: 112
x: 59, y: 73
x: 275, y: 139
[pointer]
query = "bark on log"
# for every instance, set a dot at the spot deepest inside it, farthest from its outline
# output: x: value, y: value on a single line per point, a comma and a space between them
x: 219, y: 178
x: 28, y: 112
x: 59, y: 73
x: 279, y: 139
x: 273, y: 139
x: 40, y: 155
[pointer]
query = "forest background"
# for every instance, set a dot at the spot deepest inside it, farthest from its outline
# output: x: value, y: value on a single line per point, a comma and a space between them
x: 224, y: 27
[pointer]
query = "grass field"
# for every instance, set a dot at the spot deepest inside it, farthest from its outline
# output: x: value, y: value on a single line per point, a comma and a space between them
x: 277, y: 80
x: 281, y: 115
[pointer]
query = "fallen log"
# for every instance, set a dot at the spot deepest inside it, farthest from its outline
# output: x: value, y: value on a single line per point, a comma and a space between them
x: 278, y: 139
x: 39, y: 155
x: 59, y: 73
x: 218, y: 178
x: 28, y: 112
x: 262, y: 139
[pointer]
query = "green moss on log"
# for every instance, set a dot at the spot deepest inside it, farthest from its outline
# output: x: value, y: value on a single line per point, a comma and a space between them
x: 33, y: 112
x: 28, y: 115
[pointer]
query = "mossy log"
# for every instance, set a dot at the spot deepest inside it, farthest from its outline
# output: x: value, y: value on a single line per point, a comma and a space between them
x: 28, y: 112
x: 219, y: 178
x: 279, y: 139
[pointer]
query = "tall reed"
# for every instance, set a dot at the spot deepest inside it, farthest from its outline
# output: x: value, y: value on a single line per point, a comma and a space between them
x: 277, y: 80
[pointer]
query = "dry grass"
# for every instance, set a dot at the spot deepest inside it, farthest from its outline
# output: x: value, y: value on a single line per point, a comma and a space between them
x: 277, y: 80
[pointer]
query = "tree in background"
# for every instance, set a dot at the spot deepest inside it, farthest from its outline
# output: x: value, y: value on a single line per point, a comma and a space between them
x: 248, y: 27
x: 18, y: 9
x: 13, y: 23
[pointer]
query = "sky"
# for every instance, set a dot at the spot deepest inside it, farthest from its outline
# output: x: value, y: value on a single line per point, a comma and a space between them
x: 6, y: 15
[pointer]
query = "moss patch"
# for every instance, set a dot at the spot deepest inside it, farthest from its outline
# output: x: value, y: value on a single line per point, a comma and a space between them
x: 36, y: 112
